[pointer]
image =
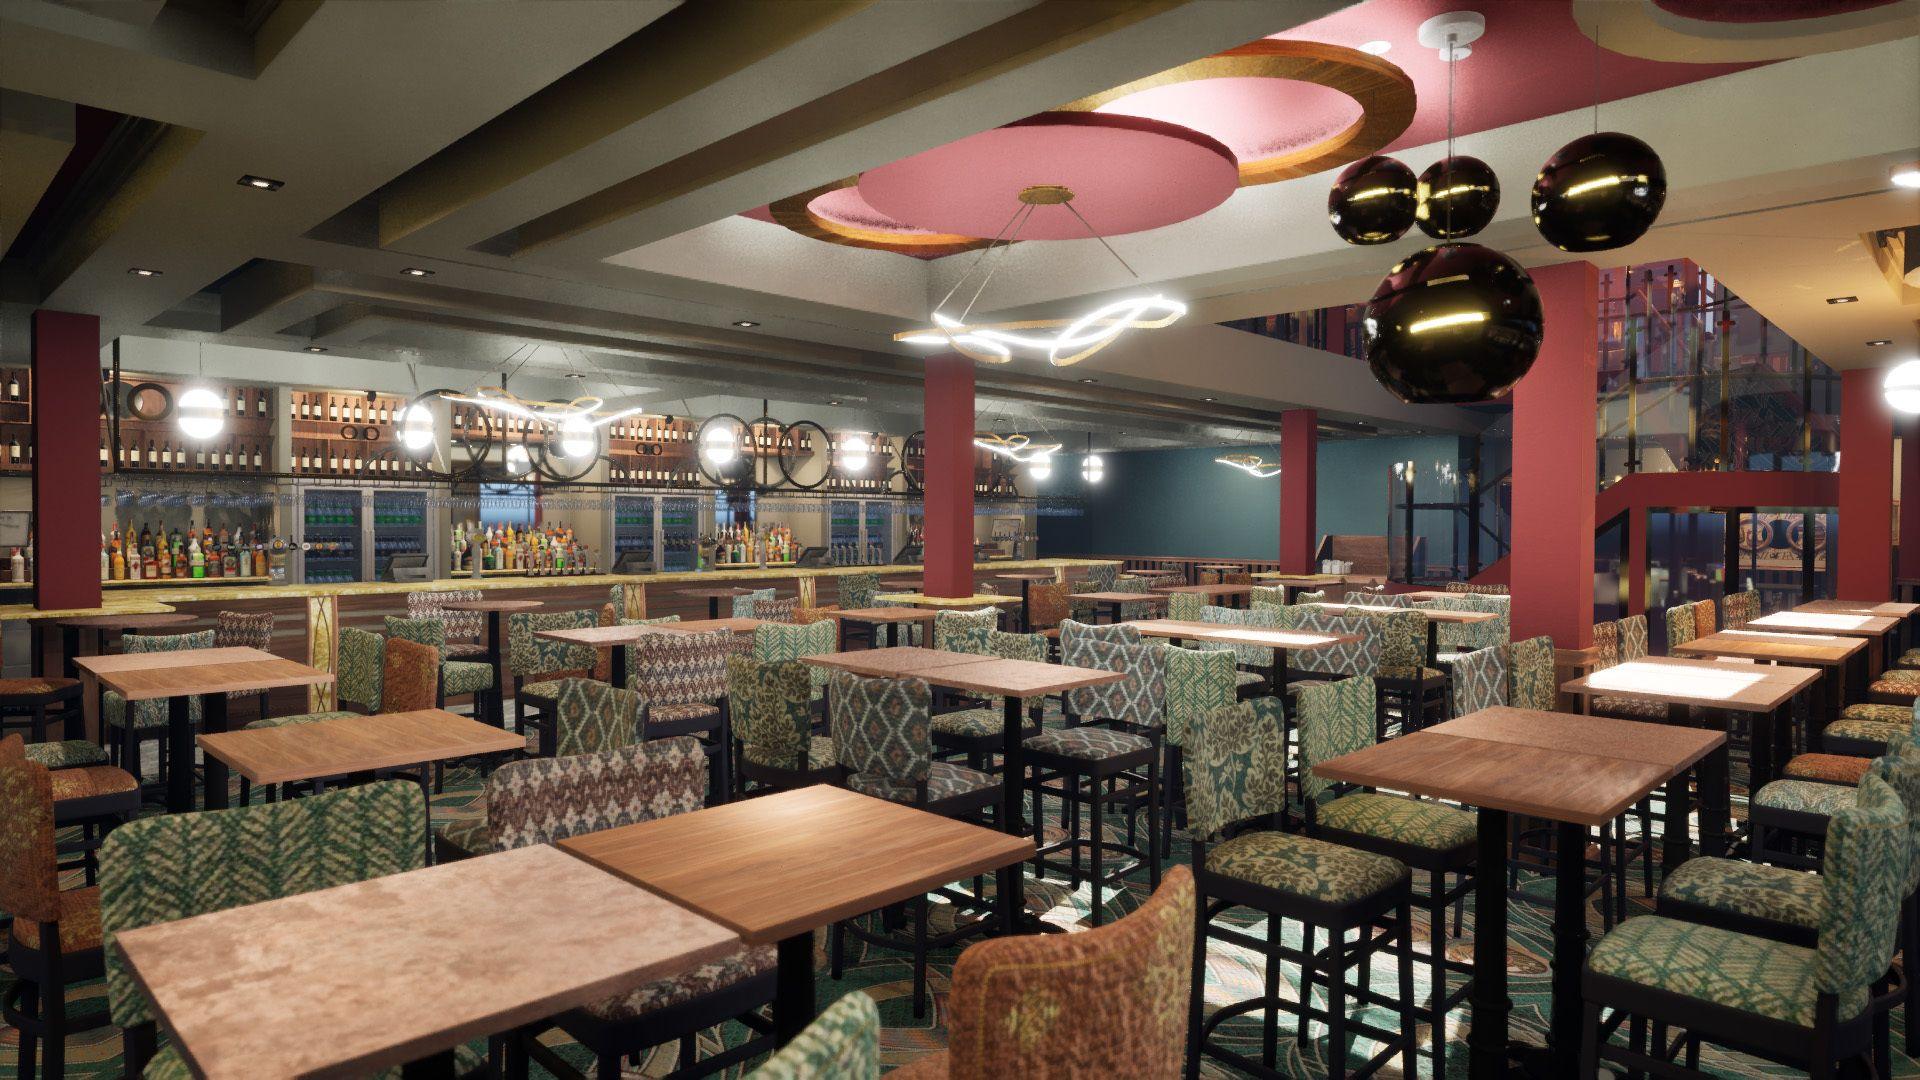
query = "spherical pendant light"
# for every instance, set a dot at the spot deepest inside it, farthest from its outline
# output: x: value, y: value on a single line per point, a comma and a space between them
x: 855, y: 452
x: 1902, y: 387
x: 1040, y: 467
x: 1372, y: 201
x: 578, y: 438
x: 1454, y: 323
x: 202, y: 414
x: 719, y: 446
x: 1092, y: 469
x: 416, y: 428
x: 1599, y: 192
x: 519, y: 462
x: 1457, y: 197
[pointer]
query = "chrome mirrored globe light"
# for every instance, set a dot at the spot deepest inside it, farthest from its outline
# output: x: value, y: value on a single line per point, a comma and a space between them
x: 1457, y: 197
x: 1902, y: 387
x: 202, y: 414
x: 1093, y: 469
x: 578, y: 438
x: 1373, y: 201
x: 1598, y: 192
x: 855, y: 452
x: 1454, y: 323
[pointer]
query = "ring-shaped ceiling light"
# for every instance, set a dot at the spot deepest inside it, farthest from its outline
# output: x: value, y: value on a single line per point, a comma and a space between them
x: 1251, y: 464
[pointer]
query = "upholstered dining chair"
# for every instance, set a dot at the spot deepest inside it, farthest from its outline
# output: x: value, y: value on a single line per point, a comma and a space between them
x: 774, y: 644
x: 535, y: 665
x: 1186, y: 607
x: 1198, y: 682
x: 745, y: 603
x: 1108, y: 1002
x: 682, y: 683
x: 1739, y: 609
x: 1047, y: 607
x: 1255, y: 661
x: 965, y: 631
x: 1706, y: 618
x: 842, y: 1042
x: 245, y: 629
x: 1479, y: 680
x: 148, y: 719
x: 779, y: 611
x: 857, y: 590
x: 457, y: 677
x: 976, y: 732
x: 154, y: 870
x: 1337, y: 718
x: 882, y: 739
x: 770, y: 704
x: 464, y: 630
x: 1682, y: 625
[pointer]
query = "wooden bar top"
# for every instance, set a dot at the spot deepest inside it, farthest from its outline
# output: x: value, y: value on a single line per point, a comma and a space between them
x: 355, y: 744
x: 150, y: 676
x: 1706, y: 683
x: 152, y: 620
x: 1825, y: 650
x: 1826, y: 622
x: 780, y: 865
x: 359, y: 978
x: 1561, y: 766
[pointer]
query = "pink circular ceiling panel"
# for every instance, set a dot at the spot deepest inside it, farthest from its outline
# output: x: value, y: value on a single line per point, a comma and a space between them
x: 1126, y: 174
x: 845, y: 207
x: 1759, y: 11
x: 1255, y: 117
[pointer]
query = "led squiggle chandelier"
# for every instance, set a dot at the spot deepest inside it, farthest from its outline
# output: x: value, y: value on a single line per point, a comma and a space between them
x: 1252, y: 464
x: 1075, y: 340
x: 1017, y: 447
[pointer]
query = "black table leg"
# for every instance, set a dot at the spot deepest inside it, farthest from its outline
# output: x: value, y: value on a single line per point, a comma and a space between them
x: 713, y: 607
x: 213, y: 718
x: 69, y: 648
x: 617, y: 671
x: 432, y: 1067
x: 1026, y: 598
x: 179, y: 754
x: 496, y: 703
x: 1487, y: 1042
x: 1569, y: 945
x: 1760, y: 740
x: 1715, y: 795
x: 793, y: 988
x: 1433, y: 643
x: 1676, y: 846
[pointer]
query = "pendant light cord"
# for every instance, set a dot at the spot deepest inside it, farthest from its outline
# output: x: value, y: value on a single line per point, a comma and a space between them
x: 1103, y: 240
x: 1596, y: 78
x: 1446, y: 174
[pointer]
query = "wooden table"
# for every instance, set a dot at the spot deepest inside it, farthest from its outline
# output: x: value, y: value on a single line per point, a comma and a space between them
x: 1880, y: 628
x: 1763, y: 691
x: 775, y: 868
x: 741, y: 625
x: 1280, y: 641
x: 1110, y: 602
x: 210, y: 675
x: 957, y: 603
x: 614, y: 637
x: 1295, y: 584
x: 1887, y: 609
x: 356, y: 979
x: 1235, y: 595
x: 1435, y: 616
x: 1826, y: 651
x: 1579, y: 772
x: 890, y: 617
x: 893, y: 662
x: 491, y: 657
x: 713, y: 597
x: 355, y: 745
x: 102, y: 625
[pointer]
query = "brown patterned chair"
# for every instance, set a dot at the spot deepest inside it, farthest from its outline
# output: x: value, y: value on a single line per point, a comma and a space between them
x: 1026, y: 1006
x: 39, y: 700
x: 245, y: 629
x: 1047, y: 607
x: 465, y: 629
x: 784, y: 611
x: 682, y: 683
x: 55, y: 938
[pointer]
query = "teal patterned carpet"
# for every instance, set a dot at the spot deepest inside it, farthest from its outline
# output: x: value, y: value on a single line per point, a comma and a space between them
x: 1232, y: 975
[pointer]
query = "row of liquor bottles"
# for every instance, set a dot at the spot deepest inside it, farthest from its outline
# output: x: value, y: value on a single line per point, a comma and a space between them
x: 197, y: 553
x: 344, y: 408
x: 347, y: 458
x: 232, y: 456
x: 502, y: 547
x: 741, y: 544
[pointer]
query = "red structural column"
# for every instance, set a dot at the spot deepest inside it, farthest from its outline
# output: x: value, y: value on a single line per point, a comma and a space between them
x: 1909, y: 500
x: 947, y: 489
x: 1299, y: 454
x: 1553, y: 465
x: 66, y: 460
x: 1865, y: 559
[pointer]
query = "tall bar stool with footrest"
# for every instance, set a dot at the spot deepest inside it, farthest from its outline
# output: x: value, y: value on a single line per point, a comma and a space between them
x: 41, y: 700
x: 536, y: 664
x: 770, y: 705
x: 148, y: 719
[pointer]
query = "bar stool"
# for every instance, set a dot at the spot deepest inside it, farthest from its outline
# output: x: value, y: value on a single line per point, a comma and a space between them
x: 36, y: 699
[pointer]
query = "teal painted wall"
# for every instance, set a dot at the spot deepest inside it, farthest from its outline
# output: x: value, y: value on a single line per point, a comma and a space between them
x: 1182, y: 503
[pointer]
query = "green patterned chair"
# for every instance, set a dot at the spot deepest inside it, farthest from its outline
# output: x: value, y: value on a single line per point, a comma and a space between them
x: 1186, y: 606
x: 1198, y: 682
x: 1739, y: 609
x: 965, y: 631
x: 858, y: 590
x: 1338, y: 718
x: 588, y: 716
x: 155, y: 870
x: 457, y: 677
x: 1372, y: 598
x: 791, y: 641
x: 1530, y: 682
x: 1479, y: 680
x: 1607, y: 646
x: 1789, y: 817
x: 1360, y: 657
x: 1456, y: 638
x: 682, y: 683
x: 1310, y: 596
x: 882, y: 738
x: 148, y: 718
x: 1268, y: 594
x: 843, y: 1043
x: 770, y: 704
x: 1403, y: 680
x: 1256, y: 662
x: 1236, y: 780
x: 1807, y: 1008
x: 536, y: 664
x: 1864, y: 729
x: 745, y: 604
x: 977, y: 732
x: 359, y: 661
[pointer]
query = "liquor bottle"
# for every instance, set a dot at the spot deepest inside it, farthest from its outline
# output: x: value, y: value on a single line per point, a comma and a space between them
x: 103, y: 451
x: 132, y: 563
x: 13, y: 450
x: 180, y: 456
x: 13, y: 385
x: 260, y: 403
x: 196, y: 559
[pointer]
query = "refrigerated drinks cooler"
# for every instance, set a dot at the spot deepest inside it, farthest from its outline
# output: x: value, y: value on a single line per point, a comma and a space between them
x: 351, y: 535
x: 656, y: 532
x: 632, y: 532
x: 859, y: 531
x: 679, y: 533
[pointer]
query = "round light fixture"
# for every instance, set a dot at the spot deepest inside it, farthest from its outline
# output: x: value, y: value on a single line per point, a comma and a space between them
x: 518, y: 460
x: 416, y: 428
x: 1092, y: 469
x: 1373, y: 201
x: 1457, y: 197
x: 1906, y: 175
x: 577, y: 439
x: 1599, y: 192
x: 855, y: 451
x: 1454, y: 323
x: 1041, y: 467
x: 1903, y: 387
x: 1376, y: 47
x: 717, y: 446
x: 202, y: 414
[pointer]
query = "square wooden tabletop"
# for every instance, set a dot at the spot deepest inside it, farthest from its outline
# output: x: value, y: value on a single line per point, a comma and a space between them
x: 1565, y: 767
x: 362, y: 977
x: 781, y: 865
x: 1017, y: 678
x: 1891, y: 609
x: 923, y: 600
x: 884, y: 614
x: 354, y: 744
x: 1442, y: 615
x: 1123, y: 597
x: 1230, y: 634
x: 1030, y: 575
x: 741, y: 625
x: 1299, y: 579
x: 1199, y: 590
x: 1709, y: 684
x: 1824, y: 650
x: 893, y: 662
x: 608, y: 635
x: 152, y: 676
x: 1826, y: 622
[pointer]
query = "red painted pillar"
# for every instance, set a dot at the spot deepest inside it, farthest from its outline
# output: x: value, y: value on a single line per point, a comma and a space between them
x: 1909, y: 500
x: 1553, y: 470
x: 1299, y: 453
x: 948, y: 488
x: 66, y: 460
x: 1865, y: 559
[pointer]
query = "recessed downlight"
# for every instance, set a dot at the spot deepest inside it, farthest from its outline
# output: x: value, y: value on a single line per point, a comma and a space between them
x: 745, y: 323
x: 1843, y: 299
x: 1879, y: 341
x: 1376, y: 48
x: 261, y: 183
x: 141, y: 271
x: 1089, y: 380
x: 316, y: 348
x: 415, y: 271
x: 576, y: 375
x: 1906, y: 174
x: 1207, y: 399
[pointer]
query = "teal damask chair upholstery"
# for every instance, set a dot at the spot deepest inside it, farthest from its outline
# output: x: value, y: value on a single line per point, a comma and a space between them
x: 1187, y: 607
x: 1102, y: 577
x: 149, y: 718
x: 457, y: 677
x: 1248, y: 656
x: 745, y: 603
x: 1236, y: 780
x: 882, y: 738
x: 1455, y: 638
x: 1338, y: 718
x: 155, y: 870
x: 1370, y: 598
x: 1404, y: 681
x: 857, y: 590
x: 783, y: 641
x: 771, y: 706
x: 1682, y: 625
x: 1198, y: 682
x: 965, y: 631
x: 1479, y: 680
x: 843, y: 1042
x: 1353, y: 658
x: 537, y: 664
x: 977, y: 732
x: 1808, y: 1008
x: 360, y: 658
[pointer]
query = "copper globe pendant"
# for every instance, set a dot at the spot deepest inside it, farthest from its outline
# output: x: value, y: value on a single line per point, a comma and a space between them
x: 1452, y: 324
x: 1372, y: 201
x: 1599, y: 192
x: 1457, y: 197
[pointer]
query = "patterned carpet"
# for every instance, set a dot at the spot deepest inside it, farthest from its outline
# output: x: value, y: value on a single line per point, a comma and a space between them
x: 1232, y: 974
